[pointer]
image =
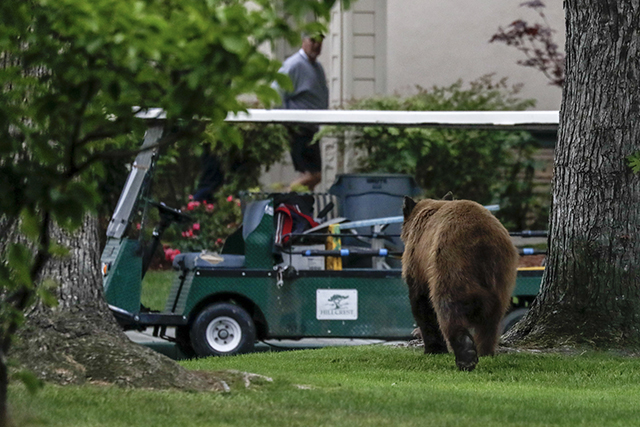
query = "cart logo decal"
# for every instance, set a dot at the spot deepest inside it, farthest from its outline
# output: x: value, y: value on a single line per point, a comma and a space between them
x: 337, y: 300
x: 336, y: 304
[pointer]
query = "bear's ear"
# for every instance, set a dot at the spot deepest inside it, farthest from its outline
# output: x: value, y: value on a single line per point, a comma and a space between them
x: 448, y: 196
x: 407, y: 206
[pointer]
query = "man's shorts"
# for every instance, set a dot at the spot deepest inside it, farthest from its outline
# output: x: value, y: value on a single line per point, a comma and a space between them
x: 305, y: 155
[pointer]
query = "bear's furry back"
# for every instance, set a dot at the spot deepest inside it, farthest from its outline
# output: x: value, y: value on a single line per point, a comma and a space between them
x: 457, y: 247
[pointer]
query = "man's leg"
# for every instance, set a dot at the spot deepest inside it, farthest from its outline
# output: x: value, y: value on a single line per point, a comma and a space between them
x: 211, y: 177
x: 308, y: 179
x: 306, y: 158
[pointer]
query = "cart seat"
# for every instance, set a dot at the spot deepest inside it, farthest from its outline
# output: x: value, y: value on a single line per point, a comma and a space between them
x: 192, y: 260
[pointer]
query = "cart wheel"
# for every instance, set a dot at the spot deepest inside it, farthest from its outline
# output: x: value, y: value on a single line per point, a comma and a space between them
x: 222, y: 329
x: 512, y: 318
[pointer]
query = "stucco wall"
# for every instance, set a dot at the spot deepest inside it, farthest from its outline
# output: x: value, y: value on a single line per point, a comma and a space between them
x: 434, y: 42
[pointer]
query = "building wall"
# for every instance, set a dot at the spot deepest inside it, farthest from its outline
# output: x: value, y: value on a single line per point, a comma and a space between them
x: 432, y: 42
x: 355, y: 55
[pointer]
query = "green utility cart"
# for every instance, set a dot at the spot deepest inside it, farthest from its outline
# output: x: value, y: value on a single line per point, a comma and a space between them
x: 221, y: 304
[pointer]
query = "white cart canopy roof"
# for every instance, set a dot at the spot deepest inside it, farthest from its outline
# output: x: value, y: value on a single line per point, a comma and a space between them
x: 505, y: 120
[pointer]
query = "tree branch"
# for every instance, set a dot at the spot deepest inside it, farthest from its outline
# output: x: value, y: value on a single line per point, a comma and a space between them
x: 114, y: 154
x: 536, y: 43
x: 90, y: 90
x: 103, y: 132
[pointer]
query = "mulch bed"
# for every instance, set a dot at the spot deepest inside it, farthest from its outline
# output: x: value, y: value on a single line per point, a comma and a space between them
x: 532, y: 261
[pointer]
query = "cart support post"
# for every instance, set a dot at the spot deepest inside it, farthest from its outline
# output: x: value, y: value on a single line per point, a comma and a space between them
x: 131, y: 191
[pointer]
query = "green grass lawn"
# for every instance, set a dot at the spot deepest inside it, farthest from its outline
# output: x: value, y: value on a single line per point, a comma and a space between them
x: 364, y: 386
x: 156, y: 287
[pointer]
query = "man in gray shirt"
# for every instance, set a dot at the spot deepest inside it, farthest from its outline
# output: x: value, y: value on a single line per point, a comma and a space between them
x: 310, y: 92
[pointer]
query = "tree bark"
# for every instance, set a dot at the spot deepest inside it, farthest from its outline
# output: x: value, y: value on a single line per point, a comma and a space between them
x: 591, y: 288
x: 79, y: 341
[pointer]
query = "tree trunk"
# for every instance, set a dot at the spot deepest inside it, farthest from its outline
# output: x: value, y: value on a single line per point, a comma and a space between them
x: 591, y: 288
x: 79, y: 341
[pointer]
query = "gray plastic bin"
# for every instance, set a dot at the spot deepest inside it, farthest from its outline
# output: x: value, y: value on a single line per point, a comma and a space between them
x: 366, y: 196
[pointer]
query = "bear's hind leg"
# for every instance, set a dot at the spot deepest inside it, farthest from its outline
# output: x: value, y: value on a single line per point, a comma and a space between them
x: 455, y: 327
x: 486, y: 321
x: 488, y: 333
x: 465, y: 351
x: 427, y: 321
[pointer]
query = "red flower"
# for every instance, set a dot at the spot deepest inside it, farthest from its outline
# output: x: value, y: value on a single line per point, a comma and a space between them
x: 191, y: 206
x: 230, y: 199
x: 190, y: 196
x: 210, y: 207
x: 170, y: 254
x: 196, y: 226
x: 219, y: 241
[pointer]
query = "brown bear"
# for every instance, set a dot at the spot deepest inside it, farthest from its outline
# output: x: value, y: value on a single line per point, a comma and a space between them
x: 460, y: 266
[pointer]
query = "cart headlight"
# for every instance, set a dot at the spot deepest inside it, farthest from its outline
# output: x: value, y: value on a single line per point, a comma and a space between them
x: 105, y: 268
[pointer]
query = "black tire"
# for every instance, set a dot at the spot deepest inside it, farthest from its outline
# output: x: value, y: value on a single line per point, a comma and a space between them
x: 222, y: 329
x: 512, y: 318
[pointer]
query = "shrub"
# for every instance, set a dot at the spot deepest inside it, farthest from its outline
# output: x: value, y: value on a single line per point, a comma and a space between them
x: 481, y: 165
x: 213, y: 222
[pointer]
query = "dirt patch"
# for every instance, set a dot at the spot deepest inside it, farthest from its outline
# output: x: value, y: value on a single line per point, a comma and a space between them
x: 77, y: 348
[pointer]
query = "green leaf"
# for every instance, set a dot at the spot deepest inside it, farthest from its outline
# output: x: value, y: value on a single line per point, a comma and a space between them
x: 20, y: 259
x: 267, y: 96
x: 235, y: 44
x: 58, y: 251
x: 634, y: 162
x: 45, y: 292
x: 29, y: 224
x: 284, y: 82
x: 29, y: 379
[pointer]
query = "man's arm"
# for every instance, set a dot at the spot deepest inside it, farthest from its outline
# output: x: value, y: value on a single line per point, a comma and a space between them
x: 292, y: 72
